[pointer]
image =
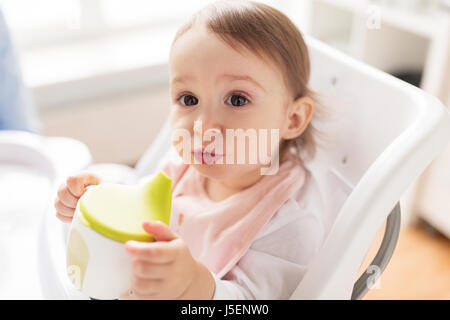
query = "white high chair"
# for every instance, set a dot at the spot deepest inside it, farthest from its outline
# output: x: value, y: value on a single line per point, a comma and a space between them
x: 382, y: 133
x: 29, y: 169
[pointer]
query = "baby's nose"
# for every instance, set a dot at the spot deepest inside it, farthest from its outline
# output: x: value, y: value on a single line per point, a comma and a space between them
x: 202, y: 128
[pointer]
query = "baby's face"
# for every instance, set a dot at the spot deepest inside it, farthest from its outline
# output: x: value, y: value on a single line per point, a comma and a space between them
x: 213, y: 86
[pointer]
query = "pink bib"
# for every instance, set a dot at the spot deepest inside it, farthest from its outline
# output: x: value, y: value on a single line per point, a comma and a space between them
x: 219, y: 233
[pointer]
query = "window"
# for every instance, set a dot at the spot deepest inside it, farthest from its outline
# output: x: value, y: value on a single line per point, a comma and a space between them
x: 46, y: 22
x: 65, y: 42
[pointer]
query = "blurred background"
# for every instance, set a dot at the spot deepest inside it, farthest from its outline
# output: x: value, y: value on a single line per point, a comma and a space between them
x: 97, y: 71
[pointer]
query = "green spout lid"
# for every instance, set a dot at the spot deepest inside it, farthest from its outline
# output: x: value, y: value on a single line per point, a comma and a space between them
x: 117, y: 211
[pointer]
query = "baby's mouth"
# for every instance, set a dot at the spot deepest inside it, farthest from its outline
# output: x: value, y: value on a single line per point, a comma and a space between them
x: 205, y: 157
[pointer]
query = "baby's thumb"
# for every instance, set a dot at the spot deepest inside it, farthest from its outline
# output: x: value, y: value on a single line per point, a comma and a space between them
x: 159, y: 230
x: 77, y: 184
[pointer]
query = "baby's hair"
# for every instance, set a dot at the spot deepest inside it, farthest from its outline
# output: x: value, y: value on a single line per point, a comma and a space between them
x: 270, y: 34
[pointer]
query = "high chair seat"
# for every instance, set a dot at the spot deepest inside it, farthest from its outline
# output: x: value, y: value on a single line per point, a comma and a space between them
x: 381, y: 134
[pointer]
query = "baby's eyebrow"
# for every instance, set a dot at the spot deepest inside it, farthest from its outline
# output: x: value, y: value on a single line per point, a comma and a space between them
x: 242, y: 77
x: 182, y: 79
x: 186, y: 78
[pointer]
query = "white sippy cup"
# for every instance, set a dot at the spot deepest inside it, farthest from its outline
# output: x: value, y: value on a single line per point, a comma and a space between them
x: 107, y: 216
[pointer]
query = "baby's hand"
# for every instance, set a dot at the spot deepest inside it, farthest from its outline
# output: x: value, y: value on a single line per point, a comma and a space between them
x: 69, y: 194
x: 165, y: 269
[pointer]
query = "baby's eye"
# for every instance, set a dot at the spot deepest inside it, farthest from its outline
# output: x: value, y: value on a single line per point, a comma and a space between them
x: 237, y: 100
x: 188, y: 100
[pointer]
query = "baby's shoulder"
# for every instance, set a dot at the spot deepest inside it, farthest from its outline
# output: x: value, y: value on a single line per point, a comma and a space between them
x: 173, y: 165
x: 305, y: 203
x: 299, y: 222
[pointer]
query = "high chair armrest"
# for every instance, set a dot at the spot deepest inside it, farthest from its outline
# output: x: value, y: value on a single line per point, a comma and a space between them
x: 384, y: 254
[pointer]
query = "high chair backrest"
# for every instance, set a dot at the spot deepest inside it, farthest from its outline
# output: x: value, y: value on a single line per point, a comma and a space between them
x: 382, y: 133
x: 379, y: 135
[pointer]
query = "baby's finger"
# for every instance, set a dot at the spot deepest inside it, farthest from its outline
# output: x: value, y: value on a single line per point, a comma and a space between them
x: 68, y: 199
x: 77, y: 184
x: 62, y: 209
x: 63, y: 218
x: 155, y: 252
x: 146, y: 270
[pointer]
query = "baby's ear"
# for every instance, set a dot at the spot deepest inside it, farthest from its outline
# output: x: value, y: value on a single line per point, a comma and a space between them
x: 300, y: 114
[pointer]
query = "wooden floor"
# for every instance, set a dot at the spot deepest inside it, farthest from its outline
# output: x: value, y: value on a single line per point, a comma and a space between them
x: 419, y: 268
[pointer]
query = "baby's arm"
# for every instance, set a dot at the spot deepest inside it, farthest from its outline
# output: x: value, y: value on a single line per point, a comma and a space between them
x: 277, y: 260
x: 259, y: 276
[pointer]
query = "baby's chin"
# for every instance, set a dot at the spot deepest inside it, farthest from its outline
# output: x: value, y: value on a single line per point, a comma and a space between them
x: 223, y: 172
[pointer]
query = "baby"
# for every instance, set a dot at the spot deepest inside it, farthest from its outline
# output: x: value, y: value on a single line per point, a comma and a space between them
x: 238, y: 229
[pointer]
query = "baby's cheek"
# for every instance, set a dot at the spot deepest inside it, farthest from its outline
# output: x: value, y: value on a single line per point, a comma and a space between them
x: 260, y: 149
